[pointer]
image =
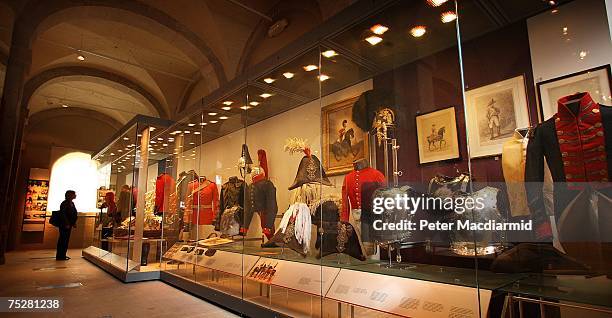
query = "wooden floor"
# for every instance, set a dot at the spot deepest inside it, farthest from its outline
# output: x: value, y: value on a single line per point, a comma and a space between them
x: 92, y: 292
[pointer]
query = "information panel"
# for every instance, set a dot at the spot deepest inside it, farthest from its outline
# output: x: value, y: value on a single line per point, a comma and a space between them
x: 408, y: 297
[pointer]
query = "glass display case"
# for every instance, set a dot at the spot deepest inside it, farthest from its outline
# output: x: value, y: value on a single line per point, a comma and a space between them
x: 129, y: 231
x: 427, y: 158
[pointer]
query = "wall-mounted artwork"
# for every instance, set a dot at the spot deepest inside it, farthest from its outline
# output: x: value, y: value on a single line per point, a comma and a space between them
x: 343, y: 141
x: 437, y: 135
x: 494, y: 111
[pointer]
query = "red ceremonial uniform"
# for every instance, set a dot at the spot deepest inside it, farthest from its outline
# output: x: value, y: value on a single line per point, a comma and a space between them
x: 352, y: 188
x: 204, y: 200
x: 164, y: 185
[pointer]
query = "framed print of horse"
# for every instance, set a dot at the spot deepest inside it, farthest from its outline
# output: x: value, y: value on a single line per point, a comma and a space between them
x: 437, y: 135
x: 494, y: 112
x: 343, y: 141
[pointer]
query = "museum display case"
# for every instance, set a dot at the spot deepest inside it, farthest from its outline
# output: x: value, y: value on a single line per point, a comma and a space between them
x: 129, y: 232
x: 426, y: 158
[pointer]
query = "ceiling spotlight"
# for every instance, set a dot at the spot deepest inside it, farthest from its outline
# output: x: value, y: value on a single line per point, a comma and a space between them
x: 187, y: 131
x: 436, y: 3
x: 151, y: 128
x: 269, y: 80
x: 254, y: 103
x: 226, y: 108
x: 126, y: 138
x: 190, y: 124
x: 214, y: 121
x: 80, y: 57
x: 310, y: 67
x: 265, y: 95
x: 379, y: 29
x: 160, y: 138
x: 212, y: 113
x: 165, y: 145
x: 176, y: 132
x: 323, y: 77
x: 227, y: 102
x: 418, y: 31
x: 223, y: 117
x: 153, y: 142
x: 288, y: 75
x: 448, y: 16
x: 196, y: 132
x: 552, y: 2
x: 245, y: 107
x: 203, y: 124
x: 329, y: 53
x: 64, y: 106
x: 373, y: 40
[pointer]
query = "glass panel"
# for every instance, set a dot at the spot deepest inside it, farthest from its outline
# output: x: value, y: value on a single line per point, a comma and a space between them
x: 536, y: 73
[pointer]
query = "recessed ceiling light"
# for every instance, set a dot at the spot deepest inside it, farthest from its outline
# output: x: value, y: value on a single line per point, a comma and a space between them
x: 192, y: 143
x: 196, y: 132
x: 448, y: 16
x: 269, y: 80
x: 254, y: 103
x: 265, y: 95
x: 227, y: 102
x: 379, y: 29
x: 80, y: 57
x: 323, y: 77
x: 64, y: 106
x: 176, y: 132
x: 212, y: 113
x: 151, y: 128
x: 288, y: 75
x: 373, y: 40
x: 226, y: 108
x: 310, y: 67
x: 329, y: 53
x: 203, y: 124
x: 119, y: 150
x: 165, y: 145
x: 436, y: 3
x: 126, y: 138
x: 418, y: 31
x: 245, y: 107
x: 153, y: 141
x: 187, y: 131
x: 191, y: 124
x: 223, y: 117
x: 214, y: 121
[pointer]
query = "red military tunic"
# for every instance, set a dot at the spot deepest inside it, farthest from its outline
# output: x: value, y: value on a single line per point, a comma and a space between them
x: 352, y: 188
x: 204, y: 201
x: 582, y: 141
x: 164, y: 186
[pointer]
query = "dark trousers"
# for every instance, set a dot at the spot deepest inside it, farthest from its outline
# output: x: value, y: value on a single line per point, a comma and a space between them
x: 62, y: 242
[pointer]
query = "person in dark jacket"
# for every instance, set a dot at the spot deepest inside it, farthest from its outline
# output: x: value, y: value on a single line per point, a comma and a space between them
x: 68, y: 214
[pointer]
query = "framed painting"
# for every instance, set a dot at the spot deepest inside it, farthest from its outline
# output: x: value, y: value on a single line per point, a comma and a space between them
x: 343, y: 141
x: 494, y: 112
x: 596, y: 81
x: 437, y: 135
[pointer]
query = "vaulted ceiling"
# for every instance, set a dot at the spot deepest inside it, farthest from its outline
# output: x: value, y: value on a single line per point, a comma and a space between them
x: 120, y: 58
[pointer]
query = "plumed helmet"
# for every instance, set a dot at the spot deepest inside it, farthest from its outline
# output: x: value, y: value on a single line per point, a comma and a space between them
x: 368, y: 104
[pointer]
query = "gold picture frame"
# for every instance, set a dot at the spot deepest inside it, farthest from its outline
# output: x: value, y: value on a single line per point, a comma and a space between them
x: 437, y: 135
x: 343, y: 141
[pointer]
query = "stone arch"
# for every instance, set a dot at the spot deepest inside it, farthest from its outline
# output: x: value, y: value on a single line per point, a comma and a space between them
x: 50, y: 114
x: 41, y: 14
x: 259, y: 32
x: 40, y: 79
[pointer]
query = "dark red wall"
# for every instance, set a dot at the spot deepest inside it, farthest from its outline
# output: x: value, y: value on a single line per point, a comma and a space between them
x: 434, y: 83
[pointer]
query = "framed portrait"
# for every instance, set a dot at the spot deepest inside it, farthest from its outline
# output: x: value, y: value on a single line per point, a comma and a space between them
x: 595, y: 81
x: 494, y: 112
x: 437, y: 135
x: 343, y: 141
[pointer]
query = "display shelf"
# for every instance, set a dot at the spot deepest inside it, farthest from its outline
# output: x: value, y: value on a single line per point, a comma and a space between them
x: 593, y: 291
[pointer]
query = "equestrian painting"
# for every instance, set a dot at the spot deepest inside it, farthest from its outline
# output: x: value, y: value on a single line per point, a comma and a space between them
x: 437, y: 135
x: 343, y: 141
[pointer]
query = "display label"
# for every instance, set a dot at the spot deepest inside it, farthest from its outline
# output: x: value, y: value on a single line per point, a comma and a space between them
x: 309, y: 278
x: 408, y: 297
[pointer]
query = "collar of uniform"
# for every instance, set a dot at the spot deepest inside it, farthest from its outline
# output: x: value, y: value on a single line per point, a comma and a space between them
x: 586, y: 102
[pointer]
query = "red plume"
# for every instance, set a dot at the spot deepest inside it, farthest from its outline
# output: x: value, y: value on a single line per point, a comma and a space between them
x: 263, y: 161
